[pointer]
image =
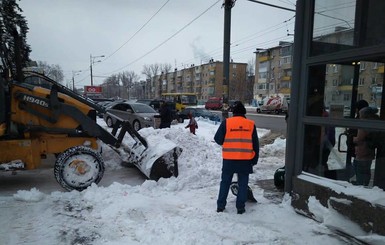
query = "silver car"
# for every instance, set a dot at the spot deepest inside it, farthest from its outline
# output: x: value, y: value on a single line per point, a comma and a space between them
x: 138, y: 114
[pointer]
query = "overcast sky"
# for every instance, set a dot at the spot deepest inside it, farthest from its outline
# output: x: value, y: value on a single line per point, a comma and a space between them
x: 133, y: 33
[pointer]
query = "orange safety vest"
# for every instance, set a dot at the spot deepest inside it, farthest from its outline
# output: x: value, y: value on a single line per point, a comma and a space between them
x: 238, y: 143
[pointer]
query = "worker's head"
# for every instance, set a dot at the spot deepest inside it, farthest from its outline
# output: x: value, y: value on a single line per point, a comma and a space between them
x: 361, y: 104
x: 239, y: 108
x: 368, y: 113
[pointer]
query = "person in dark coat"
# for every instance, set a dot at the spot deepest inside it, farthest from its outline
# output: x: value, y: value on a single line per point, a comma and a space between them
x: 165, y: 116
x: 240, y: 151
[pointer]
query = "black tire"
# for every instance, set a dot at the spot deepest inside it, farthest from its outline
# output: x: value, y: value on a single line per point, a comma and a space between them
x: 109, y: 122
x: 180, y: 120
x: 78, y: 167
x: 136, y: 125
x: 258, y: 110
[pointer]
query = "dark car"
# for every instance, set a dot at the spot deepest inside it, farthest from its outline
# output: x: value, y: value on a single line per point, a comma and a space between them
x: 197, y: 112
x: 231, y: 105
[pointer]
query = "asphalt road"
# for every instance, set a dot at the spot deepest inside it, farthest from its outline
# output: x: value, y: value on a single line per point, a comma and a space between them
x: 276, y: 123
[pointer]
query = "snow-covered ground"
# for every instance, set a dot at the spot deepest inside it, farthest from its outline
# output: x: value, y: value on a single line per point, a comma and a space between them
x: 178, y: 210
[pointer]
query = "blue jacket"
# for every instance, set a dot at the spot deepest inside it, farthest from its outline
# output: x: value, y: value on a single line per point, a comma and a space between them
x: 237, y: 166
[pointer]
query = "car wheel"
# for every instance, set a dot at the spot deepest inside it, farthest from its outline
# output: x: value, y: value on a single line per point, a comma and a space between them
x: 109, y: 122
x: 136, y: 125
x: 258, y: 110
x: 180, y: 120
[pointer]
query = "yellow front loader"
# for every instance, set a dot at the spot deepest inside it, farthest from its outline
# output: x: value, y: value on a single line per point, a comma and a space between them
x: 39, y: 116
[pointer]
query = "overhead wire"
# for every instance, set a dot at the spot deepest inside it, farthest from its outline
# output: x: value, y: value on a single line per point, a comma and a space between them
x: 141, y: 28
x: 162, y: 43
x: 165, y: 41
x: 137, y: 30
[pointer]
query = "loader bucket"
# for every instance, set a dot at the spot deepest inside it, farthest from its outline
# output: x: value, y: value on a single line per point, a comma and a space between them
x: 154, y: 159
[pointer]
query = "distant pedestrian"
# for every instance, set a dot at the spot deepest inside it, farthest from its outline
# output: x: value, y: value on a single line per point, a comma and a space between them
x: 192, y: 124
x: 240, y: 151
x: 364, y: 147
x: 165, y: 116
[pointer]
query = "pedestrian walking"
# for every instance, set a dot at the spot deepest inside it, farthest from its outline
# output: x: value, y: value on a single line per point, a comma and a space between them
x: 192, y: 124
x: 240, y: 151
x: 165, y: 116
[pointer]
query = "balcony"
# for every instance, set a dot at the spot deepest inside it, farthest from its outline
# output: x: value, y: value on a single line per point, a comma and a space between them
x: 380, y: 69
x: 286, y: 78
x: 345, y: 88
x: 263, y: 58
x: 286, y: 66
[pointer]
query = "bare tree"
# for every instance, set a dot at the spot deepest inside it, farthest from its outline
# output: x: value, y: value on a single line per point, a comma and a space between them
x: 111, y: 87
x: 250, y: 67
x: 155, y: 68
x: 165, y: 68
x: 150, y: 71
x: 52, y: 71
x: 128, y: 78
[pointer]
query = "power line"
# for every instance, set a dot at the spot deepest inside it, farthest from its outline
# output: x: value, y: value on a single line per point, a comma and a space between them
x: 165, y: 41
x: 137, y: 30
x: 272, y: 5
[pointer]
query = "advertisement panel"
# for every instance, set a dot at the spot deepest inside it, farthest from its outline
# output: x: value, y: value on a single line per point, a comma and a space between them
x: 92, y: 89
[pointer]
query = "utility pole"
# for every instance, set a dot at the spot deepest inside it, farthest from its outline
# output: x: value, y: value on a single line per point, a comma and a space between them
x: 74, y: 73
x: 92, y: 61
x: 228, y: 5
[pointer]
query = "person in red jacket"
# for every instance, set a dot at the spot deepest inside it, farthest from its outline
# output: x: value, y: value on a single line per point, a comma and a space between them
x: 192, y: 124
x: 240, y: 151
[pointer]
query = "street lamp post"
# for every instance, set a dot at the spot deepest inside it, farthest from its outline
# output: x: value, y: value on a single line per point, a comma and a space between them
x: 74, y: 73
x: 92, y: 61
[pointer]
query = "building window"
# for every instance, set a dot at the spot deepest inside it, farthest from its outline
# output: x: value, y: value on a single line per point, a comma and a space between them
x: 262, y: 75
x: 361, y: 81
x: 362, y: 66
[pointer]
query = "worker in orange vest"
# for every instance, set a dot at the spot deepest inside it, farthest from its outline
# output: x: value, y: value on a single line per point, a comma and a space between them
x: 240, y: 151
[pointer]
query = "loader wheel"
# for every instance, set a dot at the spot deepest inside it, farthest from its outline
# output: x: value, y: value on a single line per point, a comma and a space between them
x: 78, y: 167
x: 136, y: 125
x: 109, y: 122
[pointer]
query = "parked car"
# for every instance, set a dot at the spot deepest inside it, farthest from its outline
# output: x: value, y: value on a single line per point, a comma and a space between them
x: 231, y: 105
x: 214, y: 103
x: 138, y: 114
x: 197, y: 112
x: 156, y: 103
x: 103, y: 104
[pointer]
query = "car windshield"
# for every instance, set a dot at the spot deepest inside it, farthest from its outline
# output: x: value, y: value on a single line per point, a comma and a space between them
x: 142, y: 108
x: 147, y: 102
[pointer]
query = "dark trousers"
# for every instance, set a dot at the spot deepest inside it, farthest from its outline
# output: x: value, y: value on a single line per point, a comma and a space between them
x: 226, y: 179
x: 362, y: 169
x: 165, y: 125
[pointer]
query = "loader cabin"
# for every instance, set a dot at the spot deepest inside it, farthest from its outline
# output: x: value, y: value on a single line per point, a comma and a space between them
x: 338, y: 60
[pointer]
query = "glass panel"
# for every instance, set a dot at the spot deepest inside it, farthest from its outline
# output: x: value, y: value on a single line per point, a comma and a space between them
x: 345, y: 24
x: 332, y: 86
x: 325, y: 155
x: 333, y: 27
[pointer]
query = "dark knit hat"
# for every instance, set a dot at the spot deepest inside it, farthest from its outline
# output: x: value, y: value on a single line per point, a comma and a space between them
x: 361, y: 104
x: 239, y: 108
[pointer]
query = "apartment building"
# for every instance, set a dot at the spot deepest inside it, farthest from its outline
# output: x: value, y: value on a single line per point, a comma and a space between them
x: 205, y: 80
x: 273, y: 71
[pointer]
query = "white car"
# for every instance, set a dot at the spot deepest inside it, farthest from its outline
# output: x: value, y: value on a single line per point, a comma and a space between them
x: 138, y: 114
